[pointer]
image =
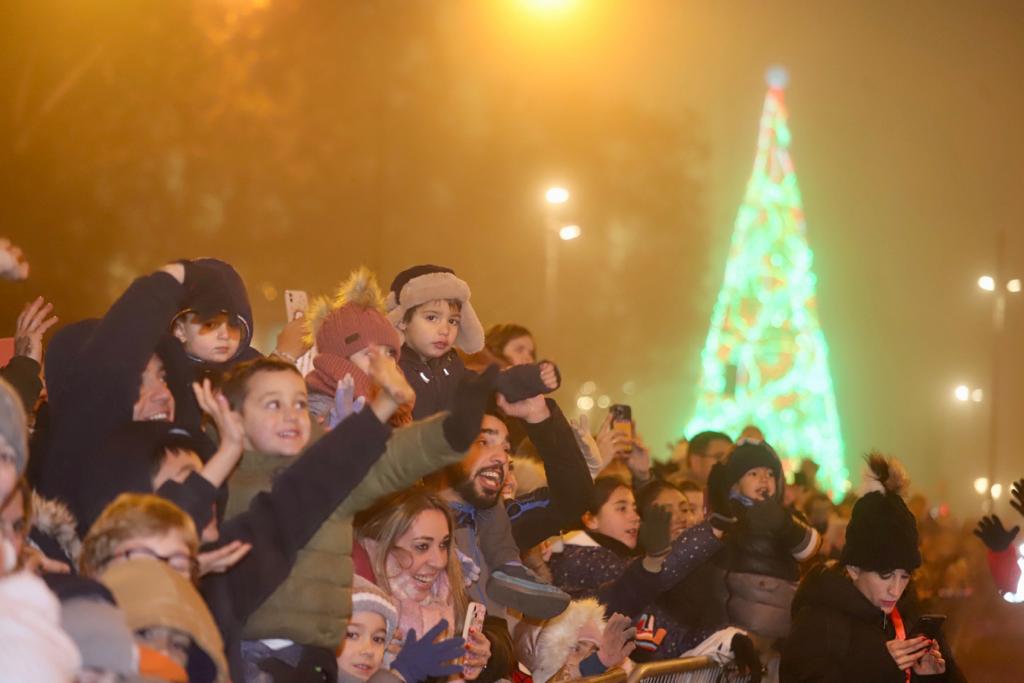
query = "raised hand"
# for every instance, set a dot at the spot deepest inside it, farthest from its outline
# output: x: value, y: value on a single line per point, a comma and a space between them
x: 221, y: 559
x: 655, y: 531
x: 31, y: 326
x: 587, y: 444
x: 384, y: 371
x: 994, y: 535
x: 531, y: 410
x: 13, y: 265
x: 638, y: 460
x: 344, y: 404
x: 612, y: 444
x: 229, y: 429
x: 291, y: 340
x: 421, y: 659
x: 1017, y: 496
x: 618, y: 640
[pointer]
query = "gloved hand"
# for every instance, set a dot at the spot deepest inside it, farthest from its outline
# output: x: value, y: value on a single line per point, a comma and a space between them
x: 1017, y: 496
x: 617, y: 641
x: 655, y: 531
x: 344, y: 405
x: 648, y: 636
x: 422, y: 659
x: 462, y: 425
x: 994, y: 535
x: 766, y: 517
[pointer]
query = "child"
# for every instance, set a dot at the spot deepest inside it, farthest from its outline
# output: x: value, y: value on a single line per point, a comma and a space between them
x: 301, y: 624
x: 215, y: 324
x: 343, y: 331
x: 369, y: 633
x: 768, y: 543
x: 430, y: 306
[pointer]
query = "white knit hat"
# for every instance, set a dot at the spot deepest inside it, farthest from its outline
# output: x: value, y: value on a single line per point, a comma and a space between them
x: 367, y: 597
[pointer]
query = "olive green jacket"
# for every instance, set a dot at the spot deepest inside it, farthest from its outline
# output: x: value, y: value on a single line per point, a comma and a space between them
x: 313, y: 604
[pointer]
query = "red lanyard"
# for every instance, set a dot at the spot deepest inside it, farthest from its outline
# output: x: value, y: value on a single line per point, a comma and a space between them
x: 901, y: 632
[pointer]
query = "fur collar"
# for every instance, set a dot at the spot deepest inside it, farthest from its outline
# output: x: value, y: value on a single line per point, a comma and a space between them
x: 52, y: 518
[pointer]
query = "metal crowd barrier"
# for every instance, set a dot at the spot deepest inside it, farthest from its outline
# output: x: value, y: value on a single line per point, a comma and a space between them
x: 687, y: 670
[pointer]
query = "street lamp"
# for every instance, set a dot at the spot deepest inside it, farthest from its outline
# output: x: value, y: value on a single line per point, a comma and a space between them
x: 569, y: 232
x: 556, y: 195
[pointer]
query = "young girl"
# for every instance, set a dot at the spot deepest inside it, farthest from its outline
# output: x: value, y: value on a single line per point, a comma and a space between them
x: 409, y: 542
x: 603, y: 560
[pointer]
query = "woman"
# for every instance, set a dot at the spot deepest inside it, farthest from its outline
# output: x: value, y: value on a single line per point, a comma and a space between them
x: 603, y: 560
x: 855, y: 620
x: 409, y: 542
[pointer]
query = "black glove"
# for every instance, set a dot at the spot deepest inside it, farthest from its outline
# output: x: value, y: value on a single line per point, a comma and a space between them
x: 462, y: 425
x: 718, y: 491
x: 521, y: 382
x: 655, y: 531
x: 422, y: 659
x: 994, y: 535
x: 1017, y: 496
x: 767, y: 517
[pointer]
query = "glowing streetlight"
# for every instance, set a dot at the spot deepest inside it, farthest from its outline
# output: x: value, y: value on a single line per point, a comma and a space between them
x: 556, y: 195
x: 987, y: 282
x: 585, y: 403
x: 996, y: 491
x: 1013, y: 286
x: 981, y: 485
x: 977, y: 395
x: 962, y: 393
x: 550, y: 5
x: 569, y: 232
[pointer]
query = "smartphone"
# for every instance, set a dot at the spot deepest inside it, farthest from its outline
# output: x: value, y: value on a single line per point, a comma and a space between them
x: 296, y: 301
x: 475, y: 614
x: 622, y: 421
x: 931, y: 625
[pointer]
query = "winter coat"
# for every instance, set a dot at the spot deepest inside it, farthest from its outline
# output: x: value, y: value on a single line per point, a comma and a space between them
x: 593, y: 565
x: 434, y: 380
x: 280, y: 522
x: 544, y: 513
x: 312, y: 605
x: 93, y: 372
x: 838, y: 636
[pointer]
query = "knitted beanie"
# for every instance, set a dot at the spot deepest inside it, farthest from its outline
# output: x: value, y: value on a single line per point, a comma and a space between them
x: 882, y: 533
x: 420, y: 284
x: 749, y: 454
x: 346, y: 325
x: 367, y: 597
x: 13, y: 429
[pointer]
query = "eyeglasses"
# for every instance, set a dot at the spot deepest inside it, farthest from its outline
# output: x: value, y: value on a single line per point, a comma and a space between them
x: 184, y: 564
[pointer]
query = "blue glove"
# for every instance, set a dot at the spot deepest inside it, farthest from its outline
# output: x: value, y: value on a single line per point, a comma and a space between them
x: 422, y: 659
x: 343, y: 403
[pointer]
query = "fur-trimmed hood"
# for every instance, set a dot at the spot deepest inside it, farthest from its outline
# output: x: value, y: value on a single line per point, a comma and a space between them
x: 51, y: 518
x: 544, y: 649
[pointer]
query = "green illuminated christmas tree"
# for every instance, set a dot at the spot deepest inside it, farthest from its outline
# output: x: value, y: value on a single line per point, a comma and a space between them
x: 765, y: 361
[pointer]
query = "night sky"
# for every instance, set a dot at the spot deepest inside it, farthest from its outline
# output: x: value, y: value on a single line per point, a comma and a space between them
x: 300, y: 140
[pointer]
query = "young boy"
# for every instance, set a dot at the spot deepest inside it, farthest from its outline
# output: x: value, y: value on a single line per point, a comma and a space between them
x: 215, y: 323
x: 299, y: 627
x: 768, y: 542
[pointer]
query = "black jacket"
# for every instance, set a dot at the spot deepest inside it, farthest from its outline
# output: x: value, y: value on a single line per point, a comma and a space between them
x: 434, y: 381
x: 560, y: 505
x: 93, y: 373
x: 281, y: 521
x: 838, y: 636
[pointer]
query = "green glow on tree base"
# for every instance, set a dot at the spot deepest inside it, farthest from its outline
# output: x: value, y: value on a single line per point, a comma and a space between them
x: 765, y: 361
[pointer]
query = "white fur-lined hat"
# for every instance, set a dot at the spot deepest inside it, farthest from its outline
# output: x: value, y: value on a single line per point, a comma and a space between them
x: 420, y: 284
x: 544, y: 648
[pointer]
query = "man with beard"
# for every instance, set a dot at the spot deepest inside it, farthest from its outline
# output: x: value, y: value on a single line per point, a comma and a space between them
x: 484, y: 534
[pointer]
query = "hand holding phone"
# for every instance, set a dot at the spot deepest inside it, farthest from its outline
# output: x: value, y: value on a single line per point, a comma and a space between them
x: 622, y: 422
x: 930, y: 625
x: 296, y: 303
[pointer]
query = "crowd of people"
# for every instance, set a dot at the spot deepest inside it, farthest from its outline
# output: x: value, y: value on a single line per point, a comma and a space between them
x: 392, y: 494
